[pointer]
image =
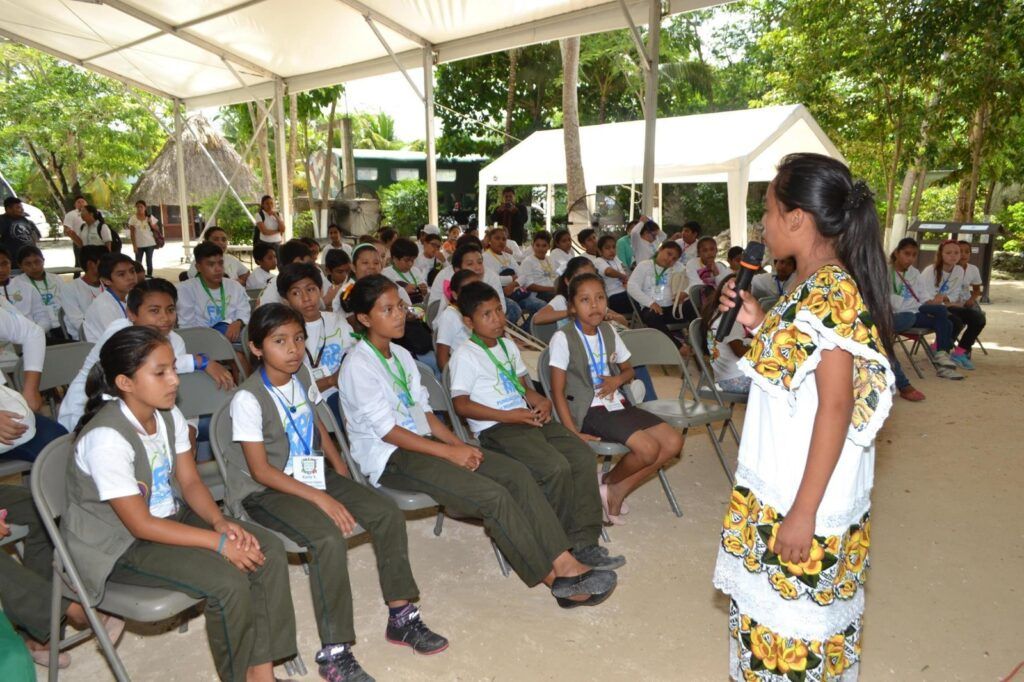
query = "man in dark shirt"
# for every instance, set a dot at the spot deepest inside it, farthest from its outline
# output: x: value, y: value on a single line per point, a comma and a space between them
x: 16, y: 230
x: 511, y: 216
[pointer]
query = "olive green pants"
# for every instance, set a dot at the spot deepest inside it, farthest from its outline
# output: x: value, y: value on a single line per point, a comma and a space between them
x: 563, y: 466
x: 306, y: 525
x: 25, y: 586
x: 250, y: 619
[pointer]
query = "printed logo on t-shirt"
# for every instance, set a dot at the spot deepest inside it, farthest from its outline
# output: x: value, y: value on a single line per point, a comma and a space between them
x: 161, y: 500
x: 509, y: 398
x: 299, y: 427
x: 213, y: 314
x: 331, y: 359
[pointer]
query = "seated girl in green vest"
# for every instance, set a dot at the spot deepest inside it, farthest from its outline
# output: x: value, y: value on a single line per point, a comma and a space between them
x: 589, y: 365
x: 284, y: 470
x: 139, y: 513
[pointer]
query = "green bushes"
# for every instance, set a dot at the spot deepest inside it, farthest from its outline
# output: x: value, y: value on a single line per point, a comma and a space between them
x: 403, y: 206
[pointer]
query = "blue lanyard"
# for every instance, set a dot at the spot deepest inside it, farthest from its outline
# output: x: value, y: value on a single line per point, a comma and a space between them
x: 121, y: 305
x: 942, y: 287
x: 597, y: 366
x: 288, y: 410
x: 778, y: 283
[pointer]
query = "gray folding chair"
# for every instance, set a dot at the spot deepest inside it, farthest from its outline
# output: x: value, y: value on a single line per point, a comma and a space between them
x: 63, y: 362
x: 17, y: 534
x: 919, y: 338
x: 543, y: 332
x: 213, y: 343
x: 199, y: 396
x: 706, y: 386
x: 433, y: 310
x: 441, y: 400
x: 651, y: 347
x: 13, y: 467
x: 130, y: 602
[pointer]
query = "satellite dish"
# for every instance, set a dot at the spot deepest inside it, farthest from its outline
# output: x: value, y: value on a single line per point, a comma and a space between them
x: 600, y: 212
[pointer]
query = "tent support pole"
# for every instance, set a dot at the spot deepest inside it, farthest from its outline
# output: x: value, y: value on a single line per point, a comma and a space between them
x: 660, y: 209
x: 428, y: 108
x: 651, y: 103
x: 284, y: 180
x: 391, y: 53
x: 550, y: 206
x: 634, y: 33
x: 179, y: 157
x: 632, y: 201
x: 248, y: 147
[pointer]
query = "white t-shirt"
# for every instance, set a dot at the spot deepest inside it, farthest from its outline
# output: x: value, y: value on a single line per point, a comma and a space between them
x: 437, y: 288
x: 91, y: 237
x: 536, y: 271
x: 643, y: 249
x: 233, y: 268
x: 694, y: 266
x: 299, y: 427
x: 499, y: 262
x: 75, y: 299
x: 143, y: 231
x: 473, y: 374
x: 689, y: 251
x: 50, y: 293
x: 16, y: 328
x: 724, y: 366
x: 103, y: 311
x: 972, y: 277
x: 323, y: 254
x: 559, y: 355
x: 451, y: 330
x: 413, y: 276
x: 424, y: 265
x: 949, y: 284
x: 905, y: 292
x: 271, y: 223
x: 108, y: 458
x: 73, y: 219
x: 559, y: 305
x: 259, y: 279
x: 649, y: 284
x: 27, y: 300
x: 559, y: 259
x: 327, y: 341
x: 72, y: 407
x: 372, y: 407
x: 612, y: 285
x: 196, y: 308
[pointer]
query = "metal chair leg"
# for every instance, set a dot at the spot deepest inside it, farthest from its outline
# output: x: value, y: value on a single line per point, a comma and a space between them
x: 183, y: 626
x: 300, y: 665
x: 910, y: 358
x: 305, y: 563
x: 981, y: 346
x: 439, y: 522
x: 735, y: 432
x: 502, y: 562
x: 669, y: 493
x: 289, y: 668
x: 721, y: 455
x: 55, y: 617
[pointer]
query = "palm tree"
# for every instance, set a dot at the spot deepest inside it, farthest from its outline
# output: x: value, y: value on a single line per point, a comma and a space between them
x: 375, y: 131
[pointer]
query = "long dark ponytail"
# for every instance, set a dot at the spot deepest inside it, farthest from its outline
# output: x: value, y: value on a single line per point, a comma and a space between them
x: 123, y: 353
x: 844, y: 212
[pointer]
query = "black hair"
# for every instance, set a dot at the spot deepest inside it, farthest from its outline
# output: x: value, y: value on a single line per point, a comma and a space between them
x: 693, y: 226
x: 334, y: 226
x: 4, y: 251
x: 903, y: 243
x: 296, y: 272
x: 579, y: 280
x: 403, y: 247
x: 77, y: 197
x: 467, y: 238
x: 11, y: 201
x: 364, y: 294
x: 453, y: 227
x: 211, y: 229
x: 734, y: 252
x: 111, y: 261
x: 604, y: 240
x: 264, y: 198
x: 461, y: 252
x: 844, y: 212
x: 571, y: 268
x: 671, y: 244
x: 387, y: 234
x: 473, y: 295
x: 431, y: 237
x: 368, y: 239
x: 310, y: 242
x: 458, y: 280
x: 268, y: 317
x: 707, y: 239
x: 92, y: 254
x: 508, y: 189
x: 585, y: 234
x: 293, y: 250
x: 205, y: 250
x: 365, y: 246
x: 141, y: 201
x: 28, y: 251
x: 261, y: 249
x: 139, y: 268
x: 559, y: 234
x: 122, y: 353
x: 650, y: 226
x: 93, y: 211
x: 156, y: 285
x: 335, y: 258
x: 543, y: 235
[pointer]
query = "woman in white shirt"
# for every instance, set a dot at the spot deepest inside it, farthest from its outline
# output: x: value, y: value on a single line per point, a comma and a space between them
x: 269, y: 225
x: 94, y: 232
x: 965, y: 309
x: 941, y: 284
x: 140, y: 227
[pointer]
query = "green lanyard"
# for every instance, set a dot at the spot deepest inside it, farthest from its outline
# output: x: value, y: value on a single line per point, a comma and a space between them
x: 402, y: 275
x: 45, y: 284
x: 507, y: 371
x: 401, y: 379
x: 659, y: 278
x: 223, y: 307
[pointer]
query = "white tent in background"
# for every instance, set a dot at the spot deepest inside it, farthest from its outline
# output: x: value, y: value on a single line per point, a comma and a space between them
x: 734, y: 147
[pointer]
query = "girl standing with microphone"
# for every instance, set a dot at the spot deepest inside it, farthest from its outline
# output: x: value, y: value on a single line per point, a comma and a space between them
x: 794, y: 545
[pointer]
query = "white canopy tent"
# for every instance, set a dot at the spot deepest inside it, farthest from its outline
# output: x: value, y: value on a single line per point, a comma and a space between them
x: 203, y: 53
x: 734, y: 147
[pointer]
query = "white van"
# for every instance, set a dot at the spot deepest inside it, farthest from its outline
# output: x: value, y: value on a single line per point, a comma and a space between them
x: 31, y: 212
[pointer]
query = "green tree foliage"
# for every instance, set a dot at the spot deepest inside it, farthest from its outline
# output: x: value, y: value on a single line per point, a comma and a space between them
x: 374, y: 131
x: 403, y: 205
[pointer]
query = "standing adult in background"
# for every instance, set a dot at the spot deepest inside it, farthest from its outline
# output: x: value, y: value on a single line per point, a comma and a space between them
x: 73, y: 226
x: 269, y: 226
x: 94, y: 232
x: 16, y: 230
x: 140, y: 227
x: 511, y: 215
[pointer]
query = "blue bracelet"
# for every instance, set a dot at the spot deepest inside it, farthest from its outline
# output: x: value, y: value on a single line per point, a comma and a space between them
x: 220, y: 545
x: 204, y: 361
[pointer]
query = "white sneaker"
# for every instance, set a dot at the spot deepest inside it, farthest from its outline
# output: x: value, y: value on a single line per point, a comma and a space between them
x: 946, y: 373
x: 943, y: 359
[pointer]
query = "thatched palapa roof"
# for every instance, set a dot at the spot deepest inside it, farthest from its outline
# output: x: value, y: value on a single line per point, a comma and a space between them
x: 159, y: 183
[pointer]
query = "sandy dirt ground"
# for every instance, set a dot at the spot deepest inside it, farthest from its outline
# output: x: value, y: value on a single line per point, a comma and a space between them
x: 944, y: 595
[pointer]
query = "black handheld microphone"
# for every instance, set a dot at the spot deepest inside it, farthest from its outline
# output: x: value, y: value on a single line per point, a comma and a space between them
x: 749, y: 265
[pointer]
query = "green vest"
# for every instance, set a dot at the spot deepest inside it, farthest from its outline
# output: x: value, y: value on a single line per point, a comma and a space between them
x: 240, y: 483
x: 579, y: 388
x: 93, y: 532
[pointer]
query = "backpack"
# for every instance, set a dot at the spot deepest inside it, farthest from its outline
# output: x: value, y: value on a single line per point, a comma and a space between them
x: 256, y: 230
x: 115, y: 239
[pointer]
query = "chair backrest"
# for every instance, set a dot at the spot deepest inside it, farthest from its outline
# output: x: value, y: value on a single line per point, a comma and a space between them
x: 544, y: 373
x: 441, y: 399
x: 698, y: 341
x: 326, y: 415
x: 198, y: 395
x: 49, y: 479
x: 696, y: 294
x: 543, y: 332
x: 433, y: 310
x: 244, y: 339
x: 220, y: 436
x: 63, y: 362
x: 651, y: 347
x: 212, y: 342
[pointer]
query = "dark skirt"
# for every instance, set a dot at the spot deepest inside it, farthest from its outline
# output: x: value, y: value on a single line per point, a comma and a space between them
x: 617, y: 426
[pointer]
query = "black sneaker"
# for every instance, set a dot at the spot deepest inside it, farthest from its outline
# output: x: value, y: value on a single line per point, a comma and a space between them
x: 597, y: 557
x: 408, y: 629
x: 340, y: 666
x: 591, y: 582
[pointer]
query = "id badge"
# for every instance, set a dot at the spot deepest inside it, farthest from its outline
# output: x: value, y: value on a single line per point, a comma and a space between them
x: 309, y: 469
x: 319, y: 373
x: 613, y: 402
x: 659, y: 292
x: 420, y: 417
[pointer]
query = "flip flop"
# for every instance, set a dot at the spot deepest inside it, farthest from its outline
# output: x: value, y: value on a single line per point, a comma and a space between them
x: 624, y: 507
x: 612, y: 519
x: 43, y: 658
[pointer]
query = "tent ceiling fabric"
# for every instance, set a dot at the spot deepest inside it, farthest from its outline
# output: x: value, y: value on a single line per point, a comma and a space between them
x: 174, y: 47
x: 699, y: 148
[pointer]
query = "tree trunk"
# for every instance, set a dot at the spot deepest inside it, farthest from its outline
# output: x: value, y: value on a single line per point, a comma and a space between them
x: 293, y: 132
x: 309, y: 178
x: 325, y: 200
x: 919, y: 184
x: 59, y: 198
x: 510, y: 102
x: 348, y: 158
x: 990, y: 197
x: 263, y: 146
x: 575, y: 185
x: 967, y: 193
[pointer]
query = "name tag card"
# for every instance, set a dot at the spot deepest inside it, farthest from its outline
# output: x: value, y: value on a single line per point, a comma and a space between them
x: 309, y: 469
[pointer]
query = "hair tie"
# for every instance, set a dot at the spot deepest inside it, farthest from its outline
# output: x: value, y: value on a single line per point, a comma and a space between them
x: 107, y: 397
x: 857, y: 195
